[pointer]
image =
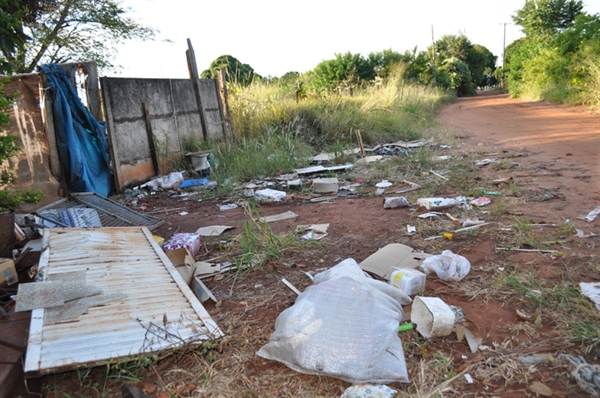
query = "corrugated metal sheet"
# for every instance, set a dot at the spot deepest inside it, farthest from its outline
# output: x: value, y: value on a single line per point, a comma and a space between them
x: 125, y: 260
x: 111, y: 213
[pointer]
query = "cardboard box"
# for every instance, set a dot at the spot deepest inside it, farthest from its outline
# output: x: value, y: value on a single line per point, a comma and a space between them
x: 183, y: 262
x: 201, y: 291
x: 8, y: 272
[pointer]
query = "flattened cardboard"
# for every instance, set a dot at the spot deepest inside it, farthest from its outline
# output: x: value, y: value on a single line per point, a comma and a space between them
x: 278, y: 217
x: 183, y: 262
x: 396, y: 255
x: 214, y: 230
x: 201, y: 291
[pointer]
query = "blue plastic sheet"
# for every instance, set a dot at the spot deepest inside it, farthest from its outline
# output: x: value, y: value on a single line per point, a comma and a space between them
x: 193, y: 183
x: 81, y: 140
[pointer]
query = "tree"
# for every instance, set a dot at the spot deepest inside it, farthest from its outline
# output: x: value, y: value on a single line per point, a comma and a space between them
x: 481, y: 63
x: 547, y: 17
x: 75, y: 30
x: 235, y: 70
x: 455, y: 75
x: 344, y: 70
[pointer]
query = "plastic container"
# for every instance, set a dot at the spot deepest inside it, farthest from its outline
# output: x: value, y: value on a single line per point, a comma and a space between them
x: 433, y: 317
x: 409, y: 280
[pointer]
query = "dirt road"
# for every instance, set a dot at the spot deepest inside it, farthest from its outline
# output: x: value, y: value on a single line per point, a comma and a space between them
x: 561, y: 144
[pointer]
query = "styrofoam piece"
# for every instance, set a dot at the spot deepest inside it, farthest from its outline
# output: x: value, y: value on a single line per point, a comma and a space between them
x: 409, y: 280
x: 269, y: 195
x: 324, y: 185
x: 433, y: 317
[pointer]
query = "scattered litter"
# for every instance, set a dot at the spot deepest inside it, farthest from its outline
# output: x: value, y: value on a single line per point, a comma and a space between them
x: 485, y: 162
x: 183, y: 213
x: 460, y: 230
x: 441, y: 158
x: 536, y: 359
x: 229, y: 206
x: 469, y: 223
x: 451, y: 218
x: 191, y: 241
x: 448, y: 266
x: 313, y: 227
x: 278, y: 217
x: 321, y: 169
x: 384, y: 184
x: 248, y: 193
x: 292, y: 287
x: 438, y: 175
x: 430, y: 214
x: 193, y: 183
x: 395, y: 255
x: 392, y: 203
x: 592, y: 291
x: 302, y: 339
x: 201, y: 291
x: 294, y: 183
x: 324, y: 185
x: 413, y: 187
x: 440, y: 203
x: 402, y: 144
x: 370, y: 159
x: 491, y: 193
x: 591, y: 216
x: 448, y: 236
x: 269, y: 195
x: 379, y: 191
x: 39, y: 295
x: 213, y: 230
x: 183, y: 262
x: 327, y: 157
x: 314, y: 235
x: 411, y: 229
x: 171, y: 181
x: 468, y: 378
x: 340, y: 167
x: 587, y: 375
x: 408, y: 280
x: 580, y: 234
x: 368, y: 391
x: 541, y: 389
x: 481, y: 201
x: 504, y: 180
x: 433, y: 317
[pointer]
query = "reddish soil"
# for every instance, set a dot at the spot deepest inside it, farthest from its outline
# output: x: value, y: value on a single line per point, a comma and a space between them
x: 557, y: 151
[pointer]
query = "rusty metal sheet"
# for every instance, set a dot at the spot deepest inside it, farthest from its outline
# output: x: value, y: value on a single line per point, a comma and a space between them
x: 159, y: 311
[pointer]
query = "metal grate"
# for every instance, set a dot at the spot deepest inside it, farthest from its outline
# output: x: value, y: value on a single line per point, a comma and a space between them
x: 111, y: 213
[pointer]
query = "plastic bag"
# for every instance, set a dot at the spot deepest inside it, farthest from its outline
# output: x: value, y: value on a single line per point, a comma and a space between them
x: 344, y: 326
x: 448, y: 266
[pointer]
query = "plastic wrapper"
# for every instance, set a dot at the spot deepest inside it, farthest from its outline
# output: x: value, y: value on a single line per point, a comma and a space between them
x: 448, y: 266
x: 344, y: 325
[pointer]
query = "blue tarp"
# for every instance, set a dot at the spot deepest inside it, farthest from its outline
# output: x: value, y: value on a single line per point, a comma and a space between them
x: 81, y: 140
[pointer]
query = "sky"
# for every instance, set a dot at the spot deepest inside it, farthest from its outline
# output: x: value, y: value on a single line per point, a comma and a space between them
x: 279, y: 36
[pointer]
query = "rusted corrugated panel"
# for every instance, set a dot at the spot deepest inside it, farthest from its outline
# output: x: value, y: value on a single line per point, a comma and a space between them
x: 125, y: 260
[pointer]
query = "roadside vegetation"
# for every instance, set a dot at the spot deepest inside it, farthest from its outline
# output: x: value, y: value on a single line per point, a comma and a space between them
x: 557, y: 60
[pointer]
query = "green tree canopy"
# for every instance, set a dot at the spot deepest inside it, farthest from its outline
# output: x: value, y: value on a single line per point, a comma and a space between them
x: 75, y: 30
x: 547, y: 17
x: 345, y: 69
x: 235, y: 70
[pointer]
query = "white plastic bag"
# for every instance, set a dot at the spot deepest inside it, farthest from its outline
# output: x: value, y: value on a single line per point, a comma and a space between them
x: 170, y: 181
x: 342, y: 326
x: 448, y: 266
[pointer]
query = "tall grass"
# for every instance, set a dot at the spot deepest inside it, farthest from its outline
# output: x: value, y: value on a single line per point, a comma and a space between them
x: 389, y: 112
x: 275, y: 133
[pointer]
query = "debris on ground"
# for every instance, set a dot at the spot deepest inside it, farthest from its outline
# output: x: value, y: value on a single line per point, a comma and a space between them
x: 395, y: 202
x: 447, y: 266
x: 343, y: 302
x: 591, y: 216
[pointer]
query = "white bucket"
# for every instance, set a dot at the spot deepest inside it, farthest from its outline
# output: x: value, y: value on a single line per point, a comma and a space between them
x: 433, y: 317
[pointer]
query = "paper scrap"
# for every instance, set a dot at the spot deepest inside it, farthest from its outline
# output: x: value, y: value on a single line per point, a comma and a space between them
x: 278, y: 217
x: 230, y: 206
x: 591, y: 216
x: 212, y: 230
x: 314, y: 235
x: 313, y: 227
x: 430, y: 214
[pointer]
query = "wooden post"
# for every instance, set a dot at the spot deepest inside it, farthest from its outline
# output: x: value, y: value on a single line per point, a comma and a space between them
x: 150, y: 139
x: 225, y: 105
x: 360, y: 143
x: 191, y: 56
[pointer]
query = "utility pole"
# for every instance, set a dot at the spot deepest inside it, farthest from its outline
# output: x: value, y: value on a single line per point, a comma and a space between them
x: 433, y: 55
x: 503, y: 52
